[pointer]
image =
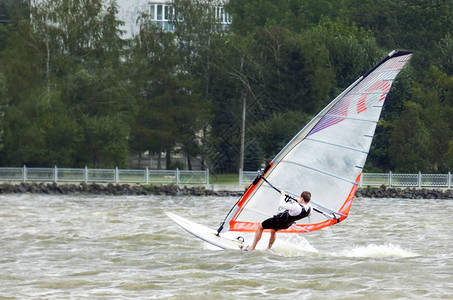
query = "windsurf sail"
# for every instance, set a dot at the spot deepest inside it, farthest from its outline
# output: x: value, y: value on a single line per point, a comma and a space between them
x: 326, y: 157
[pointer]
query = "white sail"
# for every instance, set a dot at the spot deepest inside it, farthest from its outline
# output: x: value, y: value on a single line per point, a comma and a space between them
x: 326, y: 157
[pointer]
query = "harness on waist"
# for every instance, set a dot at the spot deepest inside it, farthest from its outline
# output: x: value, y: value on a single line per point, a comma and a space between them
x: 286, y: 218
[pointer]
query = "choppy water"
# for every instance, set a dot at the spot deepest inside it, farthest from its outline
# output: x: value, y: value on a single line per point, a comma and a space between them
x: 105, y: 247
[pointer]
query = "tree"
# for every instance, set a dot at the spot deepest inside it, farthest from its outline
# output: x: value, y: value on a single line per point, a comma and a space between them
x: 253, y: 156
x: 240, y: 73
x: 3, y: 37
x: 449, y: 156
x: 249, y: 15
x: 409, y: 141
x: 22, y: 77
x: 352, y: 50
x: 197, y: 29
x: 169, y: 108
x: 295, y: 15
x: 435, y: 94
x: 78, y: 62
x: 297, y: 74
x: 444, y: 58
x: 269, y: 71
x: 276, y: 131
x: 378, y: 158
x: 88, y: 69
x: 417, y: 25
x: 3, y: 107
x: 105, y: 138
x: 186, y: 91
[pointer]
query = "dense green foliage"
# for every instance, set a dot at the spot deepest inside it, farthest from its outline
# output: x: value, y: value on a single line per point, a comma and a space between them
x: 73, y: 92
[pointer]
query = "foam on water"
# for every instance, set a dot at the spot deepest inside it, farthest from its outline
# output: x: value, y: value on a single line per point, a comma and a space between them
x: 297, y: 245
x: 290, y: 245
x: 377, y: 251
x: 302, y: 247
x: 294, y: 245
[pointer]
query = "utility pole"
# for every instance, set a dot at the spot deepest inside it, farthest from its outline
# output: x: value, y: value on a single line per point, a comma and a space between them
x: 244, y: 107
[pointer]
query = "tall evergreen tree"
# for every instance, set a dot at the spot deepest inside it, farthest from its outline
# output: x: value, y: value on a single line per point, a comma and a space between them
x: 69, y: 67
x: 169, y: 108
x: 409, y: 141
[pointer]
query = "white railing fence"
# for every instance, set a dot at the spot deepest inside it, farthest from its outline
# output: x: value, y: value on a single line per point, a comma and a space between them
x: 116, y: 175
x: 407, y: 180
x: 177, y: 176
x: 388, y: 179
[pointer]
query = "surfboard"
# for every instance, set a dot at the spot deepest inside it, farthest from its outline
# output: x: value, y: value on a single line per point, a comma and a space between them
x: 206, y: 234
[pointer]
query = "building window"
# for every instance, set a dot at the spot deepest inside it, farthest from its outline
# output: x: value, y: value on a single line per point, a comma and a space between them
x: 159, y: 12
x: 163, y: 15
x: 152, y: 12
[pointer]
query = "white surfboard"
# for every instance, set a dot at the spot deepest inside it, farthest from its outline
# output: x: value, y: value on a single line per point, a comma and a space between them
x: 206, y: 234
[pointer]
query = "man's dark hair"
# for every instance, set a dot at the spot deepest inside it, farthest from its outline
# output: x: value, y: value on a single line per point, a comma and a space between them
x: 306, y: 195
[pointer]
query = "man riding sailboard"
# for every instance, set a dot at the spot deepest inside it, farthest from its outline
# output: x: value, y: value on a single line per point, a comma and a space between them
x: 294, y: 210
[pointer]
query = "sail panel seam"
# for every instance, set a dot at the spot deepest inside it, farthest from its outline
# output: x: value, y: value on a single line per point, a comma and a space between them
x: 337, y: 145
x: 254, y: 211
x: 349, y: 118
x: 321, y: 172
x: 368, y: 93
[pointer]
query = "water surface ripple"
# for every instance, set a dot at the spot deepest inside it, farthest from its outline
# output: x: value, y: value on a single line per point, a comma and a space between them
x: 110, y: 247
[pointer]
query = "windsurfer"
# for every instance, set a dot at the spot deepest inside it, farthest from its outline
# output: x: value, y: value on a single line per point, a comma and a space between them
x: 294, y: 211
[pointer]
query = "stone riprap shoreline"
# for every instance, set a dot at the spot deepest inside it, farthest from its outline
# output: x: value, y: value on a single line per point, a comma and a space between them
x: 217, y: 190
x: 114, y: 189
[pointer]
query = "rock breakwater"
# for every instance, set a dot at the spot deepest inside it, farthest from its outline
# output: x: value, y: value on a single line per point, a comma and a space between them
x: 175, y: 190
x: 112, y: 189
x: 404, y: 193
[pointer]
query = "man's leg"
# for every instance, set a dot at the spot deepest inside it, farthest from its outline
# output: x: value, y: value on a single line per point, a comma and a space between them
x: 272, y: 238
x: 258, y: 234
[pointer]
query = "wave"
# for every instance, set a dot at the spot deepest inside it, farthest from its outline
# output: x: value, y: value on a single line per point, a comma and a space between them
x: 377, y: 251
x: 296, y: 245
x: 299, y: 246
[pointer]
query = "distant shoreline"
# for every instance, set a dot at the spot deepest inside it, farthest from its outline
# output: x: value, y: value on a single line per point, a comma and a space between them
x: 200, y: 190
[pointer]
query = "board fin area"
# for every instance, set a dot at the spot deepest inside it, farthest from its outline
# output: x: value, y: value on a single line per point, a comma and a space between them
x: 207, y: 234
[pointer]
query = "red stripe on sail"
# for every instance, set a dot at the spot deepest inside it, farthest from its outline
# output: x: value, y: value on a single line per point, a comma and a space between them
x: 339, y: 109
x: 361, y: 106
x: 379, y: 86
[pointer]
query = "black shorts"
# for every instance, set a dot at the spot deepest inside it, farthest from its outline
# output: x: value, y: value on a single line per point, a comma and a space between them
x: 275, y: 223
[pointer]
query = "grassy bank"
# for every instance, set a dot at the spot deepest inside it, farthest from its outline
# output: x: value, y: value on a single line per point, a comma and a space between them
x: 224, y: 179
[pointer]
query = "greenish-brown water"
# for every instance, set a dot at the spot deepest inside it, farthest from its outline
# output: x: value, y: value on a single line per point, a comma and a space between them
x: 118, y: 247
